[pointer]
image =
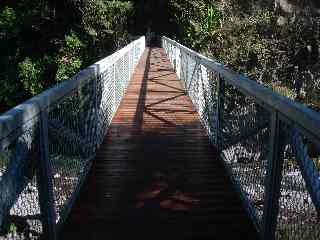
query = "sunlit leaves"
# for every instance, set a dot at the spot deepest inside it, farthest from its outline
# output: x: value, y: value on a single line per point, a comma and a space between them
x: 30, y: 74
x: 197, y: 20
x: 106, y: 21
x: 69, y: 59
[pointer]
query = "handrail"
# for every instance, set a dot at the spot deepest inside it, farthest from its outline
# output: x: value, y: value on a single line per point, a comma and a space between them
x: 48, y: 142
x: 269, y: 144
x: 10, y: 120
x: 296, y: 112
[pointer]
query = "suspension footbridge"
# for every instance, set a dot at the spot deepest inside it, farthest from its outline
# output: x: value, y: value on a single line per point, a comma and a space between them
x: 159, y: 142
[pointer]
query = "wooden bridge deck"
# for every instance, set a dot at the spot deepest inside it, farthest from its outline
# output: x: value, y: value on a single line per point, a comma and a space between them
x: 156, y: 176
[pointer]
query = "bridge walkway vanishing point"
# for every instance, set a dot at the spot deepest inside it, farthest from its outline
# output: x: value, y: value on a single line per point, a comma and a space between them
x: 196, y: 151
x: 156, y: 175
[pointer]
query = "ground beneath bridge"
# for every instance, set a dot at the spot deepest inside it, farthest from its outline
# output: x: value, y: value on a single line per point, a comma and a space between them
x: 156, y: 176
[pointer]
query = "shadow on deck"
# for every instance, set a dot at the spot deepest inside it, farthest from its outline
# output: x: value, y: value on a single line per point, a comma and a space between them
x: 156, y: 176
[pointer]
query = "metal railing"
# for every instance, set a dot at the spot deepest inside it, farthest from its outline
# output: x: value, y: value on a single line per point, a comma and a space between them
x: 47, y: 144
x: 269, y: 144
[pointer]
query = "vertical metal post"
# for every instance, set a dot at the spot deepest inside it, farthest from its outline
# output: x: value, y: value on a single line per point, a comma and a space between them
x: 220, y: 113
x: 273, y: 179
x: 45, y: 182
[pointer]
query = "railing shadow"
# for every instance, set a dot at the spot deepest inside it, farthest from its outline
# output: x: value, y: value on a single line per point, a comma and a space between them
x: 135, y: 152
x: 138, y: 118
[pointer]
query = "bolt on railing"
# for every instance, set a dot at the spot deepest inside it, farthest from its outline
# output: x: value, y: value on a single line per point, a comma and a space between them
x: 269, y: 144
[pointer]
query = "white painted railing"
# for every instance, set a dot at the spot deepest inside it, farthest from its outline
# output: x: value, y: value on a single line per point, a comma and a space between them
x: 47, y: 143
x: 269, y: 144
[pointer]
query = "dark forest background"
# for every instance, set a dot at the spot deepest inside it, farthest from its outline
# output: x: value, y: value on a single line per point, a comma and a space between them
x: 275, y: 42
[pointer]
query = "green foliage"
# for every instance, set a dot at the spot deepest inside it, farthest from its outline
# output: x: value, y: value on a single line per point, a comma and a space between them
x: 69, y: 59
x: 251, y: 38
x: 8, y: 32
x: 239, y: 44
x: 44, y: 42
x: 105, y: 23
x: 9, y: 228
x: 256, y: 45
x: 7, y: 22
x: 39, y: 48
x: 8, y: 92
x: 197, y: 20
x: 67, y: 67
x: 30, y: 75
x: 211, y: 20
x: 12, y: 228
x: 73, y: 43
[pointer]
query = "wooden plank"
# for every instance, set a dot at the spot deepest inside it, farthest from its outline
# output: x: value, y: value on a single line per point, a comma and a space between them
x: 156, y: 132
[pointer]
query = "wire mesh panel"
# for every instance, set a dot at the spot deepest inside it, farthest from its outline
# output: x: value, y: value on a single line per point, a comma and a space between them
x: 20, y: 211
x: 131, y: 61
x: 243, y: 130
x: 139, y: 47
x: 200, y: 82
x: 106, y: 100
x: 184, y: 67
x: 300, y: 187
x: 191, y: 83
x: 71, y: 127
x: 245, y: 136
x: 126, y: 72
x: 79, y: 120
x: 208, y: 99
x: 275, y: 164
x: 47, y: 144
x: 119, y: 84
